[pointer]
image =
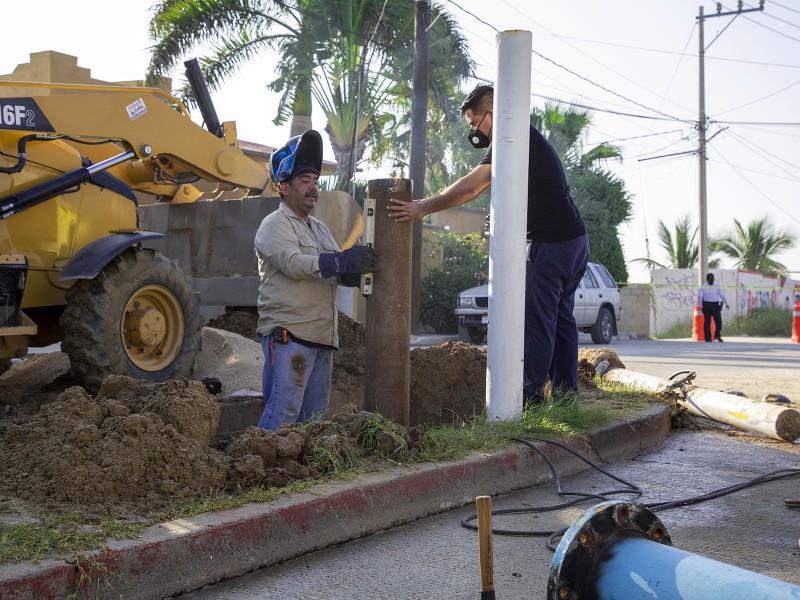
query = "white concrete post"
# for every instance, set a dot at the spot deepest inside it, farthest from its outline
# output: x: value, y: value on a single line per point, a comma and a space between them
x: 509, y: 209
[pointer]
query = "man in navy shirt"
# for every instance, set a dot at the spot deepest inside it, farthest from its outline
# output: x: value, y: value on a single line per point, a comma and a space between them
x: 558, y: 248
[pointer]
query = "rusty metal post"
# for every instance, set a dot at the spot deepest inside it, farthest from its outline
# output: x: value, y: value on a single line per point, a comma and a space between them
x: 387, y: 383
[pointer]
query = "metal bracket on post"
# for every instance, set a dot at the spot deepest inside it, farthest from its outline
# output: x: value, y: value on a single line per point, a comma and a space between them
x: 369, y: 240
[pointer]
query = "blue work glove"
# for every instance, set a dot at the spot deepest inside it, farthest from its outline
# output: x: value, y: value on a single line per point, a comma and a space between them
x: 357, y: 259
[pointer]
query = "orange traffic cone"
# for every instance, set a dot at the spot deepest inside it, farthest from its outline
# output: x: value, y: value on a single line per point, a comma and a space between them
x: 697, y: 330
x: 796, y: 323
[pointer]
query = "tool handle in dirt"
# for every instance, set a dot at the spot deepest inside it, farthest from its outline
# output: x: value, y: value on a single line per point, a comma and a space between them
x: 485, y: 550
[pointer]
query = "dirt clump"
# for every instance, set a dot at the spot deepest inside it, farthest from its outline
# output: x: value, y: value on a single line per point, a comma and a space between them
x: 448, y: 383
x: 600, y: 358
x: 309, y: 450
x: 134, y: 448
x: 29, y: 384
x: 242, y: 320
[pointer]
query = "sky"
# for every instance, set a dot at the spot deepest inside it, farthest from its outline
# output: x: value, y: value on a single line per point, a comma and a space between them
x: 633, y: 63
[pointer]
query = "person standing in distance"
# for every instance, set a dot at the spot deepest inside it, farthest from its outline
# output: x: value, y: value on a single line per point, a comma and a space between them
x: 711, y: 297
x: 300, y: 266
x: 557, y: 252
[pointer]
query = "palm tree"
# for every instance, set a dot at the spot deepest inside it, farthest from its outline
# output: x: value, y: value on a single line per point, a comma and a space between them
x: 238, y: 31
x: 370, y: 79
x: 679, y: 244
x: 353, y: 56
x: 566, y: 129
x: 753, y: 248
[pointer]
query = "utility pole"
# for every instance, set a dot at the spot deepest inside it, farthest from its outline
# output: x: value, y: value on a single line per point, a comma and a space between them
x: 702, y: 127
x: 416, y: 167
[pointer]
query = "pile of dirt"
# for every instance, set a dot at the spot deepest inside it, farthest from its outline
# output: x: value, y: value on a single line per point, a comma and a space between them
x: 242, y: 320
x: 138, y: 448
x: 135, y: 447
x: 448, y: 383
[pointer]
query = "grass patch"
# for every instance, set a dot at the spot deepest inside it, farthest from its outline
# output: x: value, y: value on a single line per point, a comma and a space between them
x: 569, y: 415
x: 60, y: 534
x: 682, y: 330
x: 761, y: 322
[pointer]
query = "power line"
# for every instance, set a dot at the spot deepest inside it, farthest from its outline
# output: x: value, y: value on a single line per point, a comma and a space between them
x: 574, y: 73
x: 789, y: 23
x: 772, y: 2
x: 637, y: 137
x: 750, y: 145
x: 780, y: 33
x: 673, y: 52
x: 762, y: 123
x: 758, y: 189
x: 775, y: 93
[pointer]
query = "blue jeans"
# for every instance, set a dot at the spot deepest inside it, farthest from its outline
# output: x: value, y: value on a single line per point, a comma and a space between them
x: 553, y: 272
x: 296, y: 382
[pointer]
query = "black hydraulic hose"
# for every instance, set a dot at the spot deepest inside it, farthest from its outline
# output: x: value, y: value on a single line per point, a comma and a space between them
x: 22, y: 156
x: 553, y: 536
x: 581, y: 496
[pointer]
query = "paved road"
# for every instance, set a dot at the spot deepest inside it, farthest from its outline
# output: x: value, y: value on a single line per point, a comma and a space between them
x: 437, y: 558
x: 754, y: 366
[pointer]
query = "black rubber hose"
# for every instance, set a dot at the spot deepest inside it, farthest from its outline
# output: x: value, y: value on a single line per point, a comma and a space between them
x: 22, y: 156
x: 553, y: 536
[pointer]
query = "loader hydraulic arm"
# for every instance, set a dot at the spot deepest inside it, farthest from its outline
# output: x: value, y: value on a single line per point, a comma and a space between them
x: 167, y: 148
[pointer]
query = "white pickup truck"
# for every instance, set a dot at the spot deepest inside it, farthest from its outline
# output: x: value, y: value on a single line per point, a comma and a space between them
x: 597, y: 308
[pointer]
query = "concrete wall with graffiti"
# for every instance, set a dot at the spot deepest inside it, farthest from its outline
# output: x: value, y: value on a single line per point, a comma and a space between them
x: 675, y: 295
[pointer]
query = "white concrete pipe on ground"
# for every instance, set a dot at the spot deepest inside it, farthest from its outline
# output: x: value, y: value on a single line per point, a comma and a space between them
x: 777, y: 422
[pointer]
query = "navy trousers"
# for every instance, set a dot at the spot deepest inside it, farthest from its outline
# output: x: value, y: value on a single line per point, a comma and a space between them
x: 553, y: 272
x: 712, y: 310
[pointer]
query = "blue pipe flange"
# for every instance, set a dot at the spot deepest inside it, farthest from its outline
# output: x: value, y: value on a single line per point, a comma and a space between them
x: 574, y: 572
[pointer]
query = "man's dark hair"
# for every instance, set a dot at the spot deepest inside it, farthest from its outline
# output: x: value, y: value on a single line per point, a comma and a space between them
x: 479, y: 100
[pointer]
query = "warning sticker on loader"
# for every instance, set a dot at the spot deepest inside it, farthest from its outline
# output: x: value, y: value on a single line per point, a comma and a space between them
x: 22, y: 114
x: 136, y: 109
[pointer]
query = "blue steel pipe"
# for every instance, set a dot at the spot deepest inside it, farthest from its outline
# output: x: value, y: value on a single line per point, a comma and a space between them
x: 639, y: 568
x: 621, y: 551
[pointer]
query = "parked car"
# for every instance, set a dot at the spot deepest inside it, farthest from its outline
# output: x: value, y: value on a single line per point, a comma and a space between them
x: 597, y: 308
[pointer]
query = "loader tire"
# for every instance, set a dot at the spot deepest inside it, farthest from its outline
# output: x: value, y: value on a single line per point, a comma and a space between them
x: 138, y: 317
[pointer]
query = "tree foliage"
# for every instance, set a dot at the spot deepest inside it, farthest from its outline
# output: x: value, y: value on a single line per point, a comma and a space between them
x: 354, y: 57
x: 679, y: 244
x: 754, y: 247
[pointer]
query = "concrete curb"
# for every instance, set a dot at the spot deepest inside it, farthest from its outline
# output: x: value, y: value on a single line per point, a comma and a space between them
x: 186, y: 554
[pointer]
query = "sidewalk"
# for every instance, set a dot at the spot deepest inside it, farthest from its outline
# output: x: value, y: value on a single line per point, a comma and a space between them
x: 186, y: 554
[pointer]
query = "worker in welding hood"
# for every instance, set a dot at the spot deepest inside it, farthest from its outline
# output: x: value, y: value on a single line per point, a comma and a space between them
x: 557, y: 251
x: 300, y: 266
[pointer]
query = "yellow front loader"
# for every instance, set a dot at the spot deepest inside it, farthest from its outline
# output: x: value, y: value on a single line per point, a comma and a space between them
x: 72, y: 265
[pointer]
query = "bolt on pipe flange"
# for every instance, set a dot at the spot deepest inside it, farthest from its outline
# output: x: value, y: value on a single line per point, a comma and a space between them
x: 573, y: 572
